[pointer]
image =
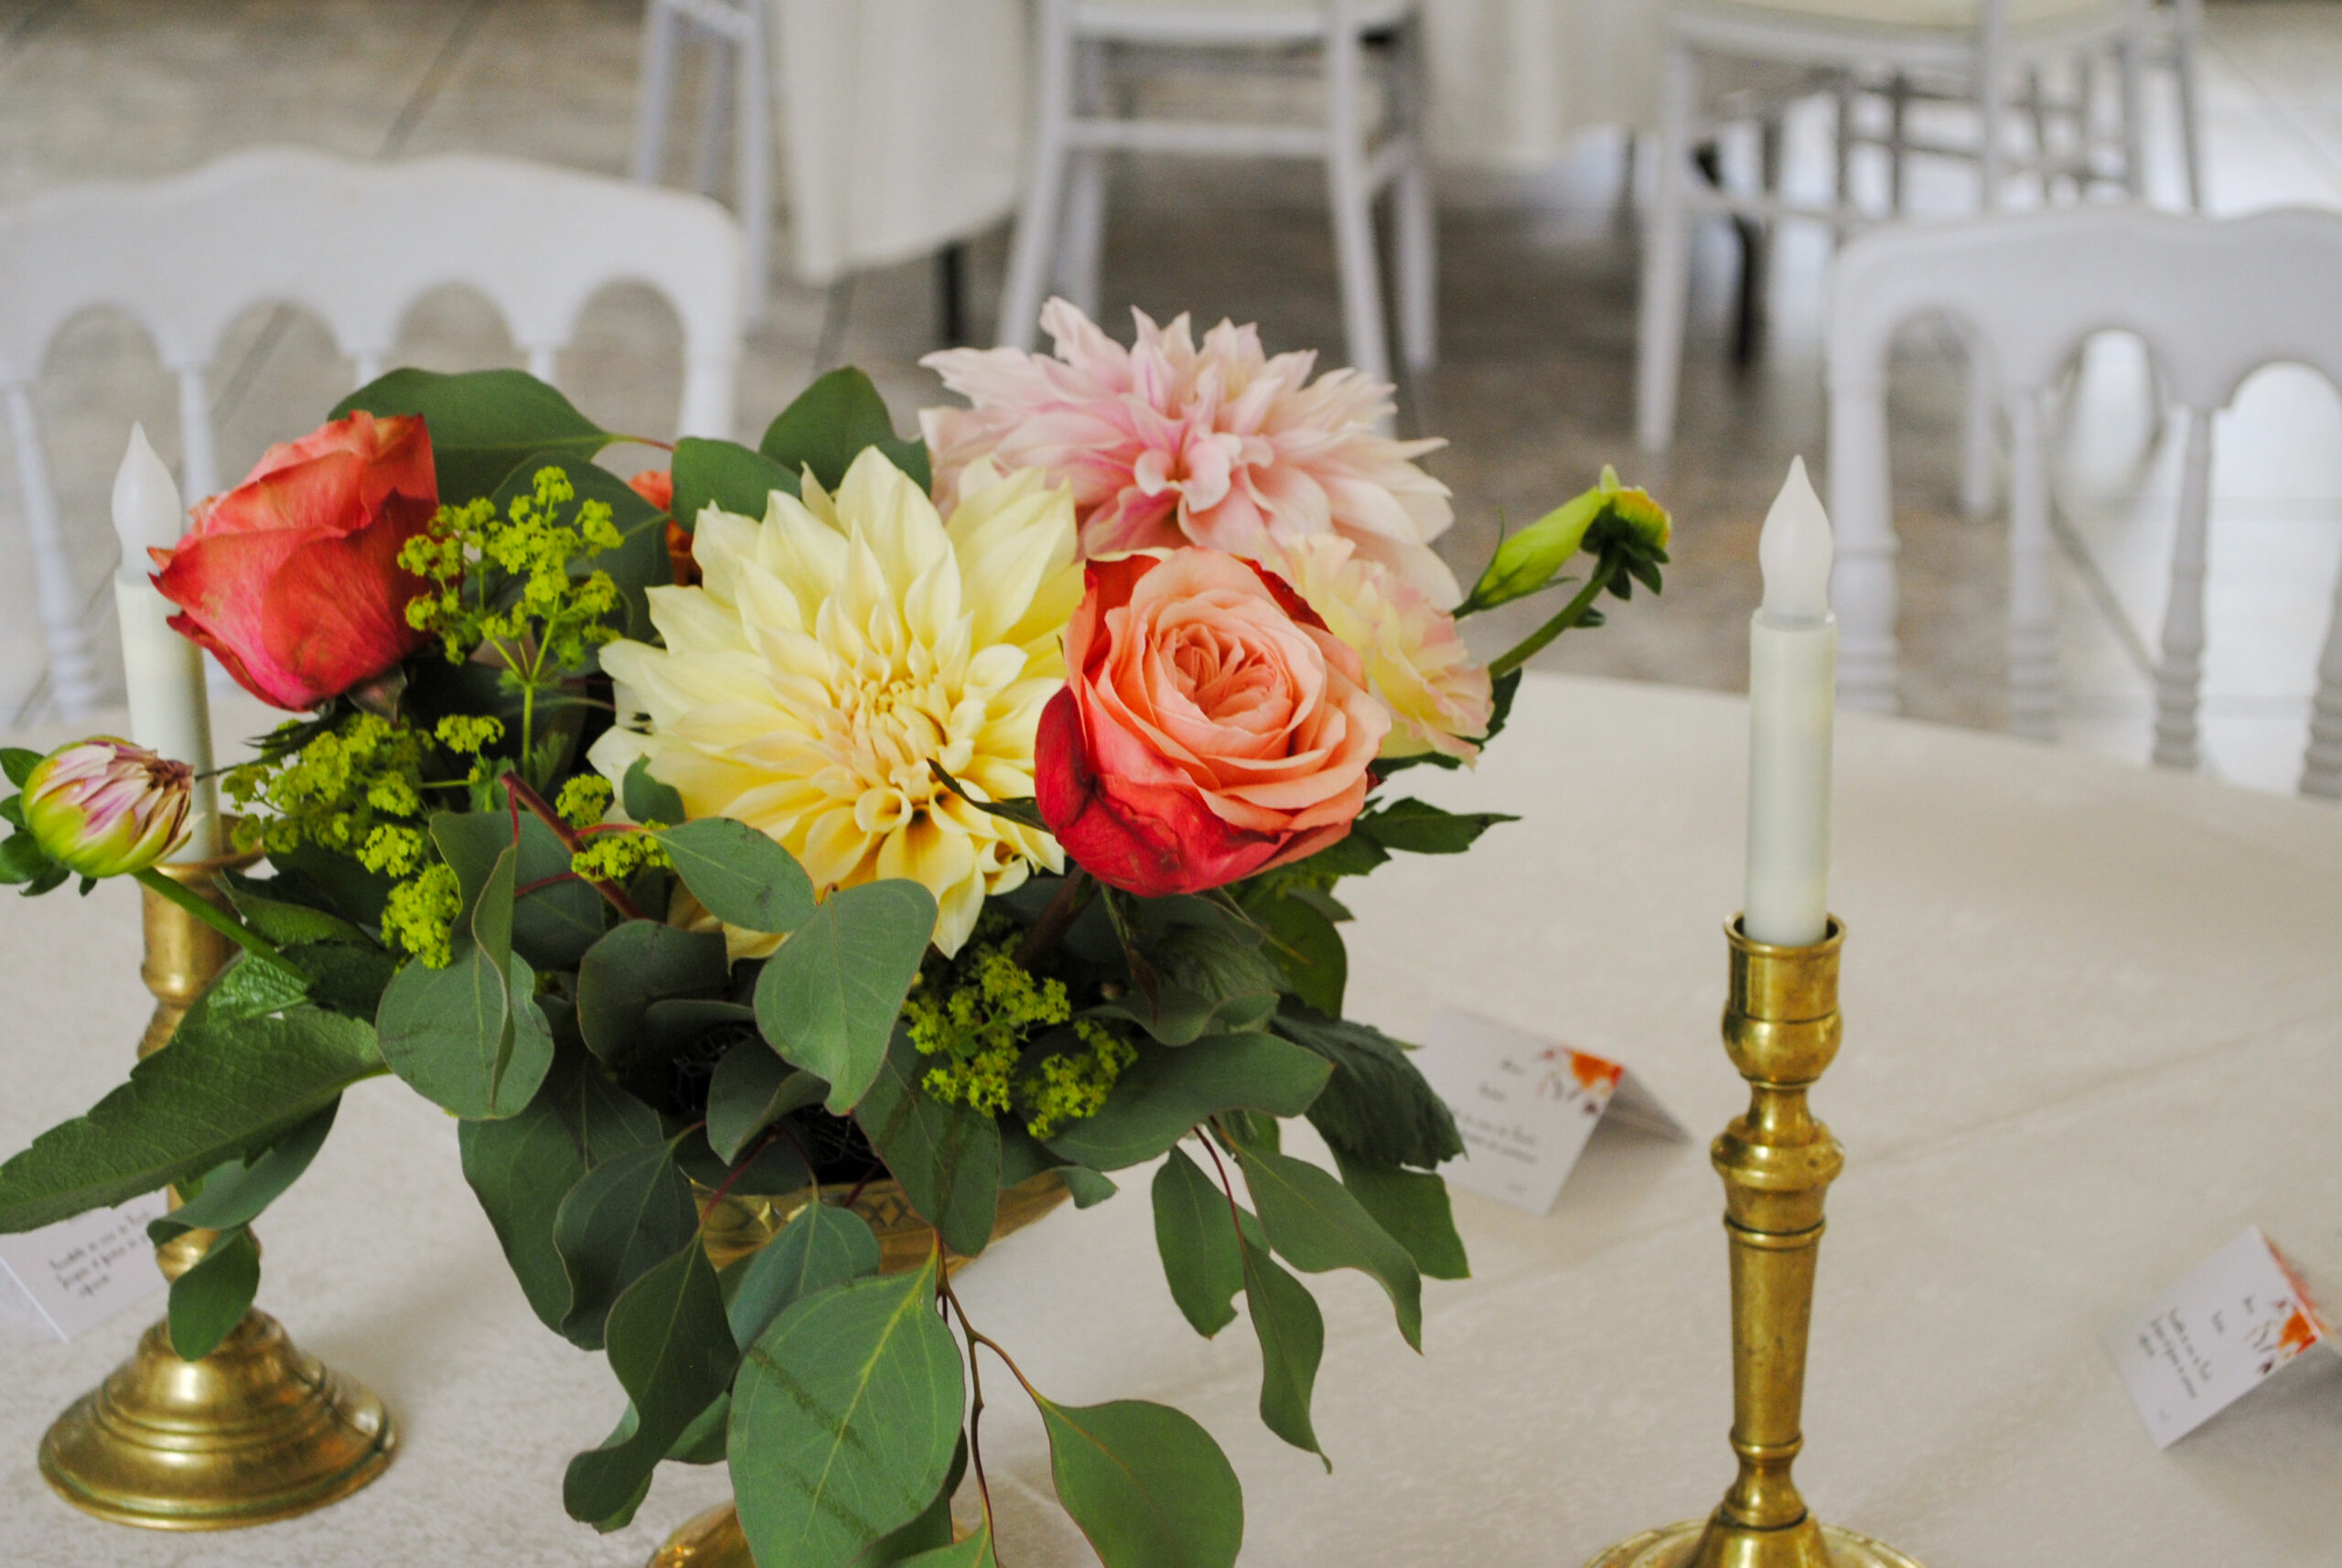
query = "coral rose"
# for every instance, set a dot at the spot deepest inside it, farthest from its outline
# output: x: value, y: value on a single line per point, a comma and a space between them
x: 292, y: 579
x: 1210, y: 726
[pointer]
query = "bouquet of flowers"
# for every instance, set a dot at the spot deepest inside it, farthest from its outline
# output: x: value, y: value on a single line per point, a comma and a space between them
x: 968, y: 811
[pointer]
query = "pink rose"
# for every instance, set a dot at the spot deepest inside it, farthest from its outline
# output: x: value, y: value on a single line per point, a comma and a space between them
x: 1211, y: 727
x: 292, y: 579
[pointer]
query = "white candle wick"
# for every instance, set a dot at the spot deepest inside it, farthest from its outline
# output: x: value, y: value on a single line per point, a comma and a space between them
x: 1795, y: 550
x: 147, y: 511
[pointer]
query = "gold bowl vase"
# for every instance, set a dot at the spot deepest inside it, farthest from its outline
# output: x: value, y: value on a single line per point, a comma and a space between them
x: 739, y: 1226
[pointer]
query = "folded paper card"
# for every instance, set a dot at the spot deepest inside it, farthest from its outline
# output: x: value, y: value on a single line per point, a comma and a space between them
x: 1526, y: 1106
x: 2215, y: 1337
x: 63, y: 1278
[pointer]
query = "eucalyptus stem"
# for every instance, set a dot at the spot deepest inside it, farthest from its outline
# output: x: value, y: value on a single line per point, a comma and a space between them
x: 213, y: 916
x: 1072, y: 897
x: 1571, y: 613
x: 516, y: 789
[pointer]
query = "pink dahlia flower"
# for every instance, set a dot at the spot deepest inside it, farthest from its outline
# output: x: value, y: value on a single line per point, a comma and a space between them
x: 1168, y: 443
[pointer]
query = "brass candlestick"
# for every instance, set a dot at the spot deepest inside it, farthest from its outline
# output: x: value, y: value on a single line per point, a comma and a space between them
x: 1781, y: 1030
x: 256, y: 1431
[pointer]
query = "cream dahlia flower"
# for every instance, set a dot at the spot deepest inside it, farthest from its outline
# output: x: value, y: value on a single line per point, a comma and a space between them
x: 837, y: 648
x: 1416, y: 659
x: 1168, y: 443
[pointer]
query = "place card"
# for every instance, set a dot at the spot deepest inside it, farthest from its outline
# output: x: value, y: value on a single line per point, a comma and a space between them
x: 70, y: 1277
x: 2215, y: 1337
x: 1526, y: 1106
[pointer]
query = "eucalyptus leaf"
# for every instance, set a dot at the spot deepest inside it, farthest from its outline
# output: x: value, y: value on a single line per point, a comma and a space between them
x: 825, y: 1244
x: 343, y: 977
x: 931, y: 1533
x: 450, y: 1034
x: 846, y: 1417
x: 554, y: 926
x: 829, y: 424
x: 1167, y: 1091
x: 1292, y: 1332
x: 647, y: 801
x: 1315, y: 1225
x: 1195, y: 1234
x: 482, y: 423
x: 739, y: 875
x: 750, y: 1091
x: 1413, y: 1207
x: 1308, y: 951
x: 237, y: 1192
x: 947, y: 1157
x: 639, y: 962
x: 828, y: 999
x: 614, y: 1225
x: 1378, y: 1106
x: 671, y: 1348
x: 216, y: 1092
x: 1178, y: 1016
x: 212, y: 1297
x: 975, y: 1552
x: 728, y: 476
x: 1145, y: 1484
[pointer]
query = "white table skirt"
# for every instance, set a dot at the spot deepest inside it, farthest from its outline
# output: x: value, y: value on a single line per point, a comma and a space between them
x: 2093, y: 1018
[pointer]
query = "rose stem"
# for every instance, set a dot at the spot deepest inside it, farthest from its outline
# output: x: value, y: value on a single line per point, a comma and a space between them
x: 517, y: 790
x: 1072, y: 897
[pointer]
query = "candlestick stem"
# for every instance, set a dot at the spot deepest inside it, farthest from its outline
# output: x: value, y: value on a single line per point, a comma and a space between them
x: 1781, y: 1030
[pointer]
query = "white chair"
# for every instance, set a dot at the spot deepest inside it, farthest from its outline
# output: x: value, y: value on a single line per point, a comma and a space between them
x: 1980, y: 49
x: 739, y: 95
x: 356, y: 245
x: 1083, y: 42
x: 2213, y: 299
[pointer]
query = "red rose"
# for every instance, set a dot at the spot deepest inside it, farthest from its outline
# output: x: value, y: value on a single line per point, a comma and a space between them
x: 655, y: 485
x: 1210, y: 726
x: 292, y: 579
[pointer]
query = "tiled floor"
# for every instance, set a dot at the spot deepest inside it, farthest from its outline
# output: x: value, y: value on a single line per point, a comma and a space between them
x: 1533, y: 391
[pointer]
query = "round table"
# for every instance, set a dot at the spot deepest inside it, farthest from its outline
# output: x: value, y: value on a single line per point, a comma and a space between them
x: 2093, y: 1015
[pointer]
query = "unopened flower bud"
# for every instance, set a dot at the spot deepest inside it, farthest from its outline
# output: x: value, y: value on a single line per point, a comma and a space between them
x: 105, y: 808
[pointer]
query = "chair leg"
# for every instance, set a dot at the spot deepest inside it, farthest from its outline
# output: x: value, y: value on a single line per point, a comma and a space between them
x: 2037, y: 107
x: 2134, y: 162
x: 715, y: 114
x: 2032, y: 615
x: 1978, y: 446
x: 654, y: 91
x: 752, y: 92
x: 2179, y: 679
x: 2322, y: 768
x: 1351, y: 198
x: 1863, y: 588
x: 2188, y: 21
x: 1842, y: 190
x: 1034, y: 249
x: 1081, y: 241
x: 1898, y: 141
x: 1417, y: 217
x: 1666, y: 269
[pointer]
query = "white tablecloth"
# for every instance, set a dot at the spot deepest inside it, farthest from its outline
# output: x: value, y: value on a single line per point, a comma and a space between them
x: 903, y: 123
x: 2094, y: 1030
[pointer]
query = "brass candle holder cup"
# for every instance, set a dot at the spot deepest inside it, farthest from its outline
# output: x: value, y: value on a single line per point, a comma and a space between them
x: 254, y: 1432
x: 1781, y: 1030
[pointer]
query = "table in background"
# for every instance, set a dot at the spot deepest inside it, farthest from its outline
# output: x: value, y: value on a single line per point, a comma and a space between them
x: 2093, y: 1020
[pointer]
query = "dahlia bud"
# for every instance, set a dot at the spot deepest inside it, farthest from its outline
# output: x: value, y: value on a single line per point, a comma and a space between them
x: 105, y: 808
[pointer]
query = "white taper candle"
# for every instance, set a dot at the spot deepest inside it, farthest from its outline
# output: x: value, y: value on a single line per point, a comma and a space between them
x: 169, y: 712
x: 1792, y: 679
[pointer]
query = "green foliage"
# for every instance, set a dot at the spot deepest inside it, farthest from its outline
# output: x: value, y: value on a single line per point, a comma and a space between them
x: 825, y: 1245
x: 1167, y: 1091
x: 210, y: 1298
x: 637, y: 966
x: 750, y: 1091
x: 645, y: 800
x: 975, y: 1551
x: 1608, y: 520
x: 469, y: 1038
x: 845, y: 1418
x: 946, y: 1156
x: 1418, y: 827
x: 483, y: 424
x: 829, y: 998
x: 930, y: 1534
x: 1377, y: 1105
x: 1308, y: 951
x: 219, y: 1093
x: 1292, y: 1332
x: 739, y: 875
x: 671, y: 1349
x: 625, y: 1217
x: 1413, y: 1207
x: 830, y: 424
x: 728, y: 476
x: 1196, y: 1236
x: 1315, y: 1225
x: 522, y: 1167
x: 236, y: 1192
x: 1147, y: 1485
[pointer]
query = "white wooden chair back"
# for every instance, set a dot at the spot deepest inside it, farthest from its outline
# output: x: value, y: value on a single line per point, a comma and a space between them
x: 355, y: 244
x: 2213, y: 300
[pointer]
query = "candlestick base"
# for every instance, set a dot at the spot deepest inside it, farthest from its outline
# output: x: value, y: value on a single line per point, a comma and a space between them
x: 1713, y: 1543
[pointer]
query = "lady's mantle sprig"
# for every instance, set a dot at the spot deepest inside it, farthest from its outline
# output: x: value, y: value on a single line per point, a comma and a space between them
x: 978, y: 1014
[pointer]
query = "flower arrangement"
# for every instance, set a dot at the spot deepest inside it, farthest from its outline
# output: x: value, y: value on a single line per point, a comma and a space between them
x: 967, y: 810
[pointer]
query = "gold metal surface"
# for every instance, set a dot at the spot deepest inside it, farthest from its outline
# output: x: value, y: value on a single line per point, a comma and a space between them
x: 1781, y: 1030
x: 256, y: 1431
x: 740, y: 1225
